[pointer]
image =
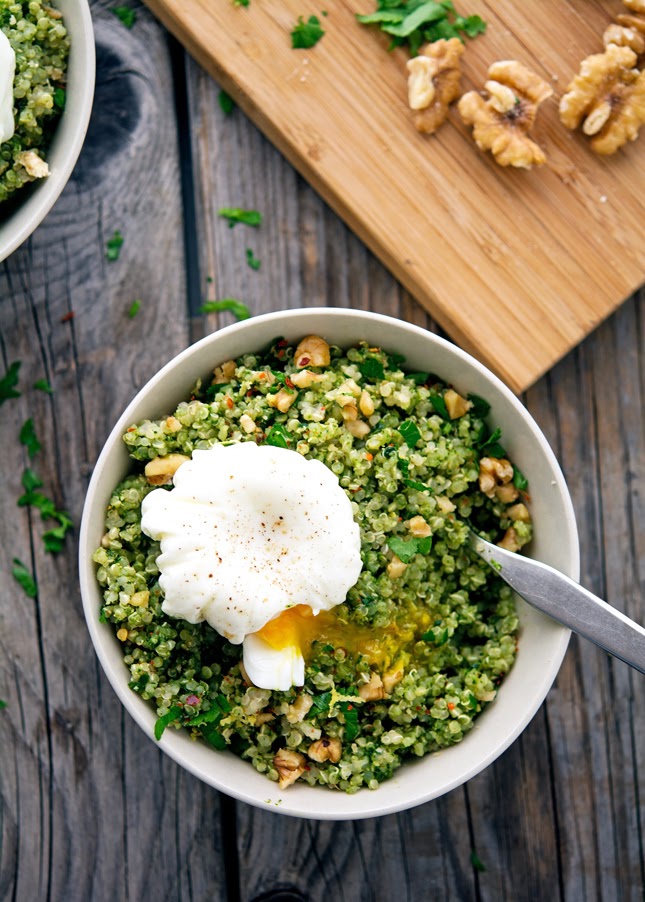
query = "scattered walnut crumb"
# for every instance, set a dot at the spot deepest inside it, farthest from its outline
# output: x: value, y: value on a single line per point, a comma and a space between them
x: 373, y: 690
x: 161, y: 470
x: 35, y: 165
x: 326, y: 749
x: 290, y: 766
x: 312, y: 351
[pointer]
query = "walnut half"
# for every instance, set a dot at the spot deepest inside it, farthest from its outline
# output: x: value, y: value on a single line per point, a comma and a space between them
x: 433, y: 83
x: 502, y: 122
x: 606, y: 98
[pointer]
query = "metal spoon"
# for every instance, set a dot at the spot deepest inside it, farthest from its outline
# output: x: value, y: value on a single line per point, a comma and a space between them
x: 555, y: 594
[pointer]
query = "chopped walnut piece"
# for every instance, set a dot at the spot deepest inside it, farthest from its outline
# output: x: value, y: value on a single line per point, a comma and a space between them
x: 263, y: 717
x: 35, y: 165
x: 326, y: 750
x: 628, y: 31
x: 607, y: 98
x: 519, y: 512
x: 312, y: 351
x: 173, y: 424
x: 247, y: 423
x: 506, y: 493
x: 160, y: 470
x: 510, y: 541
x: 366, y: 404
x: 300, y: 708
x: 224, y: 373
x: 433, y: 83
x: 305, y: 378
x: 358, y: 428
x: 140, y: 599
x: 418, y: 527
x: 391, y: 679
x: 493, y: 472
x: 282, y: 399
x: 372, y: 691
x: 456, y: 405
x: 502, y: 122
x: 290, y: 765
x: 396, y: 567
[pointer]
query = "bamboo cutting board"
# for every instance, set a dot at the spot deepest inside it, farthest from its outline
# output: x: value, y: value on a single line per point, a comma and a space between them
x: 517, y: 266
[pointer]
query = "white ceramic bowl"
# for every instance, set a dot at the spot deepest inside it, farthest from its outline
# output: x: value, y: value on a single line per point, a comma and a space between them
x: 542, y: 642
x: 68, y: 137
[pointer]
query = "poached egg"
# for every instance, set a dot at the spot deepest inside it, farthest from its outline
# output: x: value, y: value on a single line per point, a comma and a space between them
x: 256, y: 540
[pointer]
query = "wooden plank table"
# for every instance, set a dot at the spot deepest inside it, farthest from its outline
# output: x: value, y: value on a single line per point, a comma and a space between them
x: 92, y: 810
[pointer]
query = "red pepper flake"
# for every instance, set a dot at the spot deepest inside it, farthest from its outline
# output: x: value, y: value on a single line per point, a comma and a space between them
x: 262, y: 376
x: 350, y: 707
x: 132, y: 429
x: 68, y: 316
x: 192, y: 700
x: 450, y: 706
x: 282, y: 343
x: 229, y: 403
x: 304, y: 361
x: 369, y: 456
x: 289, y: 383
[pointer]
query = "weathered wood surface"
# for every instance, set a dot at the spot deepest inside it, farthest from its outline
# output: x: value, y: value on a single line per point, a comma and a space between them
x: 89, y: 809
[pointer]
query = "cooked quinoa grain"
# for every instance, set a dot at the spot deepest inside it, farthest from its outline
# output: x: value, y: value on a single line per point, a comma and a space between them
x: 39, y: 39
x: 415, y: 653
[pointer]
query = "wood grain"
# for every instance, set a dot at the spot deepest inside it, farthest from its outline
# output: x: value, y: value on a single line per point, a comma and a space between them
x: 549, y: 253
x: 89, y: 809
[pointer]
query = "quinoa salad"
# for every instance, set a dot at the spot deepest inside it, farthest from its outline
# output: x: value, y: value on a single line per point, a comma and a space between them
x: 38, y: 37
x: 405, y: 665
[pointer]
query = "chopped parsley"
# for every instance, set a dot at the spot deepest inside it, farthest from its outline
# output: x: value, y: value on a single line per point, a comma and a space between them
x: 519, y: 479
x: 134, y: 308
x: 24, y: 578
x: 476, y: 862
x: 237, y: 308
x: 28, y: 438
x: 53, y: 538
x: 278, y: 436
x: 439, y: 637
x: 306, y: 34
x: 418, y: 378
x: 241, y: 2
x: 226, y: 102
x: 351, y: 721
x: 126, y: 15
x: 252, y: 260
x: 237, y: 214
x: 405, y: 549
x: 410, y: 432
x: 60, y: 96
x: 372, y: 368
x: 43, y: 385
x: 3, y: 704
x: 439, y: 406
x: 162, y: 722
x: 413, y: 23
x: 489, y: 446
x: 113, y: 247
x: 9, y: 381
x: 321, y: 703
x: 480, y: 407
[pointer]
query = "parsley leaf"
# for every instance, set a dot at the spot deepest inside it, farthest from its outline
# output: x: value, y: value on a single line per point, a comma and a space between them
x: 226, y: 103
x: 24, y: 578
x: 162, y: 722
x: 237, y: 214
x: 252, y: 260
x: 321, y: 703
x: 306, y: 34
x: 278, y: 436
x: 241, y: 2
x: 480, y: 407
x: 125, y: 14
x: 60, y: 96
x: 351, y: 721
x: 410, y: 432
x: 439, y: 406
x: 54, y: 538
x: 3, y: 704
x: 439, y: 637
x: 30, y: 481
x: 43, y: 385
x: 519, y: 479
x: 28, y: 438
x: 113, y: 247
x: 405, y: 549
x: 134, y: 308
x: 9, y: 382
x: 372, y: 368
x: 418, y: 378
x: 476, y: 862
x: 490, y: 447
x: 237, y: 308
x: 214, y: 737
x: 413, y: 22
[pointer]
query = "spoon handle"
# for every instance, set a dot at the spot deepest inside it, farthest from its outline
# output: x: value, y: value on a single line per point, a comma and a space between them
x: 567, y: 602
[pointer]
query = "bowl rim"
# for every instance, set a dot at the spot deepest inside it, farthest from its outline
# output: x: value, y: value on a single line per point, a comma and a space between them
x: 68, y: 137
x: 118, y: 681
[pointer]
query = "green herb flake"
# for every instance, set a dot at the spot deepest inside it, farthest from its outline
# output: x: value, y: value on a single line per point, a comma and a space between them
x: 439, y: 406
x: 372, y: 368
x: 54, y: 538
x: 3, y: 704
x: 60, y: 96
x: 162, y: 722
x: 306, y: 34
x: 125, y: 14
x: 30, y: 481
x: 321, y: 702
x: 241, y: 2
x: 237, y: 308
x: 226, y: 103
x: 490, y: 447
x: 113, y: 247
x: 438, y: 637
x: 351, y: 721
x: 214, y: 737
x: 43, y: 385
x: 481, y: 407
x: 404, y: 549
x: 413, y: 22
x: 496, y: 565
x: 9, y: 381
x: 417, y: 486
x: 519, y: 479
x: 252, y: 260
x: 236, y: 214
x: 476, y: 862
x: 278, y: 436
x: 28, y: 438
x: 134, y: 308
x: 418, y: 378
x: 24, y: 578
x: 410, y: 432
